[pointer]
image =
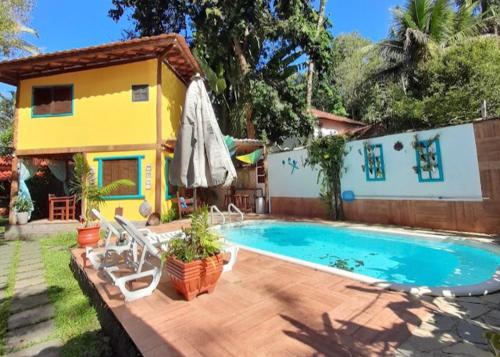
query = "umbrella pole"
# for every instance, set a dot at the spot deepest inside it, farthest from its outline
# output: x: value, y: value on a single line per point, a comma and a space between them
x: 194, y: 197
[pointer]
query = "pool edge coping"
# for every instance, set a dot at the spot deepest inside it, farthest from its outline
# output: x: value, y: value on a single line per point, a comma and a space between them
x: 486, y: 287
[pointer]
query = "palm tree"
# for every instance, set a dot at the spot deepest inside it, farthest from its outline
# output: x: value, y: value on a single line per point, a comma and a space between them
x: 424, y: 26
x: 13, y: 15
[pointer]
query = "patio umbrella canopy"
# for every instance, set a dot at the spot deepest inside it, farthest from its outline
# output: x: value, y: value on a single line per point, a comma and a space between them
x: 201, y: 157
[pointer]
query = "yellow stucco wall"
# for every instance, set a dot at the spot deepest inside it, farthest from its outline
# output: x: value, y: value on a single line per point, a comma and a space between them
x: 103, y: 111
x: 104, y: 114
x: 174, y: 92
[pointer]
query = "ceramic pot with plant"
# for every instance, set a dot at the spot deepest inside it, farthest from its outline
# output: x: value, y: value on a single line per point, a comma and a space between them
x: 85, y: 188
x: 193, y: 260
x: 23, y: 207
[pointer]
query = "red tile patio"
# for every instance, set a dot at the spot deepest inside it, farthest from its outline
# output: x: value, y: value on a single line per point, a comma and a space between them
x: 267, y: 307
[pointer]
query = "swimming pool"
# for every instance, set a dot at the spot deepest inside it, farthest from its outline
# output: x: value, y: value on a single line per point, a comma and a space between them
x: 395, y: 258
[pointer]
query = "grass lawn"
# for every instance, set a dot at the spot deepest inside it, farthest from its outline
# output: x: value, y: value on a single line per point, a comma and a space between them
x: 76, y: 321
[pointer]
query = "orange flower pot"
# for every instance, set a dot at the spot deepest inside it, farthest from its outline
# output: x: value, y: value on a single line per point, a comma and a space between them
x: 88, y: 236
x: 192, y: 279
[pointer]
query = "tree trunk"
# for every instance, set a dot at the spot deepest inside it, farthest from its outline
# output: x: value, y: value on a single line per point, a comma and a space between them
x: 310, y: 70
x: 244, y: 69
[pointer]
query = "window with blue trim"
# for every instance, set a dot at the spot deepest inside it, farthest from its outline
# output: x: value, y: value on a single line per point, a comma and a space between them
x: 170, y: 190
x: 429, y: 164
x: 119, y: 168
x: 374, y: 162
x: 52, y: 101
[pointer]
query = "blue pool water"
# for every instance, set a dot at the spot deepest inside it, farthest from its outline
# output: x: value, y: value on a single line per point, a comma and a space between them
x: 394, y: 258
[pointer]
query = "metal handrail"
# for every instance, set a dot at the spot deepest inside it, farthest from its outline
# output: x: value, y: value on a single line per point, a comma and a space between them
x: 215, y: 208
x: 236, y: 210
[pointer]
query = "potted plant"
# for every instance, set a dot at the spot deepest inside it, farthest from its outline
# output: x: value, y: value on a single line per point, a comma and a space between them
x: 193, y: 260
x: 85, y: 188
x: 23, y: 206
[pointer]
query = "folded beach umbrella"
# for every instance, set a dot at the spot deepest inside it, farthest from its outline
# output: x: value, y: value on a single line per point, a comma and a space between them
x: 201, y: 157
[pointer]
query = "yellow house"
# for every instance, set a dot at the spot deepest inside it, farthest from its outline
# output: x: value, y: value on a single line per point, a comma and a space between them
x: 119, y: 104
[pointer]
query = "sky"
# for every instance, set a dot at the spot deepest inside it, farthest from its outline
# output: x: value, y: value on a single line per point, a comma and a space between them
x: 70, y: 24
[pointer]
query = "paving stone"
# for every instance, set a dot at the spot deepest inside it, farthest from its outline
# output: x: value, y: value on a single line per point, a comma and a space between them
x: 470, y: 332
x: 21, y: 336
x: 29, y: 267
x: 22, y: 292
x: 470, y: 299
x: 28, y: 302
x: 448, y: 307
x: 466, y: 349
x: 474, y: 310
x: 45, y: 349
x: 492, y: 299
x: 425, y: 344
x: 29, y: 274
x: 492, y: 318
x: 30, y: 317
x: 30, y: 261
x: 36, y: 280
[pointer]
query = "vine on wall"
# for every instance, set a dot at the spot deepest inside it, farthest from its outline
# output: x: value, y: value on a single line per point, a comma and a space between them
x: 328, y: 154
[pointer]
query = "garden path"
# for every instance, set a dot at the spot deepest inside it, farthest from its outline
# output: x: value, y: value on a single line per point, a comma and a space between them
x: 30, y: 326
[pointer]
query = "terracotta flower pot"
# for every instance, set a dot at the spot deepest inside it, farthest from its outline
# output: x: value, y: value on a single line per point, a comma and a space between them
x: 212, y: 271
x: 88, y: 236
x: 192, y: 279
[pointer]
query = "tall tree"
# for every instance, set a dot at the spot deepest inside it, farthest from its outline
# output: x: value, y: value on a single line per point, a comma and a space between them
x: 13, y: 18
x: 310, y: 70
x: 252, y: 49
x: 424, y: 26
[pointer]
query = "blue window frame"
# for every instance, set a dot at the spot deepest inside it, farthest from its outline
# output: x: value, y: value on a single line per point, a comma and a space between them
x: 429, y: 164
x: 52, y: 101
x: 374, y: 162
x: 170, y: 190
x: 139, y: 159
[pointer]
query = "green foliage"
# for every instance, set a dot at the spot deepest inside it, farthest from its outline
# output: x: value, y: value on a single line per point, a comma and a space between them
x: 86, y: 189
x: 170, y: 215
x: 423, y: 27
x: 7, y: 104
x: 23, y: 204
x: 250, y: 51
x: 327, y: 153
x: 458, y: 80
x: 199, y: 242
x: 13, y: 14
x: 494, y: 342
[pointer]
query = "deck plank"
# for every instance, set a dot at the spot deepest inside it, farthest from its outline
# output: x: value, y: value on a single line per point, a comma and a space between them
x: 266, y: 307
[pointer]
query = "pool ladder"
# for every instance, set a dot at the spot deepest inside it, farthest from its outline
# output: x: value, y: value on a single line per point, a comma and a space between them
x: 214, y: 209
x: 231, y: 208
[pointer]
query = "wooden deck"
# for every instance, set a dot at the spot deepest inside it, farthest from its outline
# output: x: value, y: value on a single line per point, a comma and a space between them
x: 266, y: 307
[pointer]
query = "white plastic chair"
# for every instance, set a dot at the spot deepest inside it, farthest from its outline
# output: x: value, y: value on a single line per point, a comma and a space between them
x: 100, y: 257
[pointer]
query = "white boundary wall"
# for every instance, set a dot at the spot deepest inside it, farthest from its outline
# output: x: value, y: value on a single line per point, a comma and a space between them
x: 458, y: 157
x: 459, y: 160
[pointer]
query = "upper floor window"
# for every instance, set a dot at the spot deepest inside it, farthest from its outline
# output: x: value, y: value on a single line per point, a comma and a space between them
x: 52, y: 101
x: 140, y: 93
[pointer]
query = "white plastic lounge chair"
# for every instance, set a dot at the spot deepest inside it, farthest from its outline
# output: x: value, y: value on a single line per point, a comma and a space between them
x: 141, y: 268
x: 100, y: 257
x: 233, y: 251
